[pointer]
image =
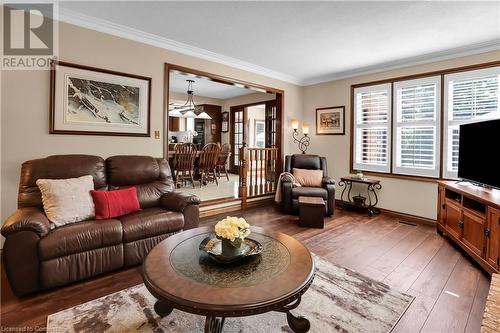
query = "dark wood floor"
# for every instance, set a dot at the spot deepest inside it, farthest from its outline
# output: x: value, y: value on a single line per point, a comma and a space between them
x: 450, y: 289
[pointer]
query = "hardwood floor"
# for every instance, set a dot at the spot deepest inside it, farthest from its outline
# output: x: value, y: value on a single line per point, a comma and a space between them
x: 450, y: 288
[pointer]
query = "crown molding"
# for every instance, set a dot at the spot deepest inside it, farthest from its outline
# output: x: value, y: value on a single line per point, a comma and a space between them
x: 105, y: 26
x: 458, y: 52
x: 89, y: 22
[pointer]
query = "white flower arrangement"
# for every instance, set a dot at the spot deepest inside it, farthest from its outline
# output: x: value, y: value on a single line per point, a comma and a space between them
x: 232, y: 228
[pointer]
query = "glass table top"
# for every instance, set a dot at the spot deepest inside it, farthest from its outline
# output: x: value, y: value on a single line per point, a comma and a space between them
x: 189, y: 261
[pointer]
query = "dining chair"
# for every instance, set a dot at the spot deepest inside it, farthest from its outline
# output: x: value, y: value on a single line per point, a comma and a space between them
x: 222, y: 160
x: 208, y: 163
x: 184, y: 156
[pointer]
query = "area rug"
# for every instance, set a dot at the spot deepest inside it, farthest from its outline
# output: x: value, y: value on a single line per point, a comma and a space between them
x: 339, y: 300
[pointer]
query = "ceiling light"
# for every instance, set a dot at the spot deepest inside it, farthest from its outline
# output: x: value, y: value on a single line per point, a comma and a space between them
x: 189, y: 109
x: 203, y: 115
x: 174, y: 113
x: 189, y: 114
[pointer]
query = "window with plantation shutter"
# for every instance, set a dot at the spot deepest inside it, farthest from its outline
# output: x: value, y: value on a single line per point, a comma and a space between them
x: 470, y: 96
x: 372, y: 118
x: 416, y: 127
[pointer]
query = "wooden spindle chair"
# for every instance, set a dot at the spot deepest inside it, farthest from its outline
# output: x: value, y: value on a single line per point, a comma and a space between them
x: 184, y: 156
x: 208, y: 163
x: 222, y: 160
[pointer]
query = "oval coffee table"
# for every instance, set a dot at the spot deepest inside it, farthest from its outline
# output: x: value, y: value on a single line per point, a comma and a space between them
x: 181, y: 276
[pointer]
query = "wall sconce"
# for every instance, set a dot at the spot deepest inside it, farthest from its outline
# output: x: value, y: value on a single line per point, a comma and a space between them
x: 304, y: 141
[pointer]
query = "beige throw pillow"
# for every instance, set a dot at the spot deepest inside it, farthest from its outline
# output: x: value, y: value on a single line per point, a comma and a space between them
x: 311, y: 178
x: 67, y: 200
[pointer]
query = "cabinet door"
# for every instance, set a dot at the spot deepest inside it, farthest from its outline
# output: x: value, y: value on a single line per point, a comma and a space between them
x: 473, y: 233
x: 493, y: 239
x: 453, y: 219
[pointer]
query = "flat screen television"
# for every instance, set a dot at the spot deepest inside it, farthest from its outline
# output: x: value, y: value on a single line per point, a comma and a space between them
x: 479, y: 153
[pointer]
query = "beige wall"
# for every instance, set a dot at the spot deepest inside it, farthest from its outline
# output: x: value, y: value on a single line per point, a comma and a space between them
x: 408, y: 196
x: 25, y: 101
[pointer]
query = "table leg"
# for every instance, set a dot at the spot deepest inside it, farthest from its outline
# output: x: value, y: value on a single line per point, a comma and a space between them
x: 372, y: 189
x: 214, y: 324
x: 298, y: 324
x: 163, y: 309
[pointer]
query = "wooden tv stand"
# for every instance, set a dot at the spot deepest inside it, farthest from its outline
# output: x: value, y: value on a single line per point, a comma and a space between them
x: 470, y: 216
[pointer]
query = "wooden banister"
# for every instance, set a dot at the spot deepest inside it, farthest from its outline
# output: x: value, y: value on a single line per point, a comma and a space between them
x: 258, y: 172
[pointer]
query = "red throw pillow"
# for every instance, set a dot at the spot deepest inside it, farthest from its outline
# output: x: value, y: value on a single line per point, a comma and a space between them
x: 109, y: 204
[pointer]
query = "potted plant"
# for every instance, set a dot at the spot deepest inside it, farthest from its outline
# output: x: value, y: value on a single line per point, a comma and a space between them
x: 232, y: 231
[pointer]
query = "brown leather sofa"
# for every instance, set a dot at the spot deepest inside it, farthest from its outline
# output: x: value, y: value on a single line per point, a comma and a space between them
x: 290, y: 195
x: 38, y: 256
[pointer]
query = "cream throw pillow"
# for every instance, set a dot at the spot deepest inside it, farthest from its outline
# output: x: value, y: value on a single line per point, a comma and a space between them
x: 311, y: 178
x: 67, y: 200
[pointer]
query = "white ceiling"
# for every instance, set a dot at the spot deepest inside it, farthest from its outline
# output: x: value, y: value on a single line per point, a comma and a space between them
x: 204, y: 87
x: 302, y: 42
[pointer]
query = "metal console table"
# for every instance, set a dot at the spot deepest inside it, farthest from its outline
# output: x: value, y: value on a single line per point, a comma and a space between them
x: 359, y: 201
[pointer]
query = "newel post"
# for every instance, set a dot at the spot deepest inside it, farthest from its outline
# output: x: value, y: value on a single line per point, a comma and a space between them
x: 243, y: 176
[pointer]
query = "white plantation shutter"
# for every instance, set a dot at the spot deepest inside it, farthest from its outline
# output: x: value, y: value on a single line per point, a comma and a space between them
x: 372, y: 118
x: 416, y: 127
x: 469, y: 97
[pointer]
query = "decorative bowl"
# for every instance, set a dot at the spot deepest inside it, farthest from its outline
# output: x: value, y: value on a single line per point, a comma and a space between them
x: 213, y: 247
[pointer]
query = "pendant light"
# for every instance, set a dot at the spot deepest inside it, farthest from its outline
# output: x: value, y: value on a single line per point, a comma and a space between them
x: 189, y: 109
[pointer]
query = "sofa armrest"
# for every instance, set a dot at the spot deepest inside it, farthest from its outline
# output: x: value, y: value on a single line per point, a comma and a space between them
x: 286, y: 197
x: 327, y: 181
x: 178, y: 201
x: 329, y: 184
x: 27, y: 219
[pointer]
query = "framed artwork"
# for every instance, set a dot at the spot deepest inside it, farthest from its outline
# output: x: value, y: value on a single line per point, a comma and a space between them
x: 93, y: 101
x: 225, y: 122
x: 330, y: 120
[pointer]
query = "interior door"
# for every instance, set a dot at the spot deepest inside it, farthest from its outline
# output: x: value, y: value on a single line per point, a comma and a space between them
x: 271, y: 124
x: 238, y: 116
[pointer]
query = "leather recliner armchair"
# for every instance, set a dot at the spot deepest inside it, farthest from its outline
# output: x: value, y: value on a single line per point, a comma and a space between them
x: 290, y: 195
x: 39, y: 256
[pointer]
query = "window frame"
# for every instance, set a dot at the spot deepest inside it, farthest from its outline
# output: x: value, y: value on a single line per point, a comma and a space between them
x: 371, y: 167
x: 392, y: 81
x: 478, y: 73
x: 400, y: 170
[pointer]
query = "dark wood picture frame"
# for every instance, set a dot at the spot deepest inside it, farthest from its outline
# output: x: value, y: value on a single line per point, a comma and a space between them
x: 52, y: 106
x: 318, y: 110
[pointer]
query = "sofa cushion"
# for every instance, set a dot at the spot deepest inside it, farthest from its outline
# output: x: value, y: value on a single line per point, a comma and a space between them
x: 305, y: 191
x: 80, y: 237
x: 57, y: 167
x: 67, y: 200
x: 150, y: 222
x: 150, y: 176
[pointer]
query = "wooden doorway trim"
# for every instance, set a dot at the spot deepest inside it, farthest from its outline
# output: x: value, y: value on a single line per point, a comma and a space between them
x: 280, y: 95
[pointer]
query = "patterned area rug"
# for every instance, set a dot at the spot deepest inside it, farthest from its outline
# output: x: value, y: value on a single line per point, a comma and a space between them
x: 339, y: 300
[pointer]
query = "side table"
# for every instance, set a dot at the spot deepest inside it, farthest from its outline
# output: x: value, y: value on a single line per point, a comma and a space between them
x: 359, y: 201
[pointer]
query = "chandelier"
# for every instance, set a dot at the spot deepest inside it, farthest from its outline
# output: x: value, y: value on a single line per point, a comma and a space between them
x: 189, y: 109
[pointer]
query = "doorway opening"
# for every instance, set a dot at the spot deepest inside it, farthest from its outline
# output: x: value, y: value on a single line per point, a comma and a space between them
x: 229, y: 116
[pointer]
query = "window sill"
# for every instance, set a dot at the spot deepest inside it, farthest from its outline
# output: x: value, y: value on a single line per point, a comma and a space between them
x: 403, y: 177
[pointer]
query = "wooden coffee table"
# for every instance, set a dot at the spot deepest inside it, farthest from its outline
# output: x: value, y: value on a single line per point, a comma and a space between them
x: 181, y: 276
